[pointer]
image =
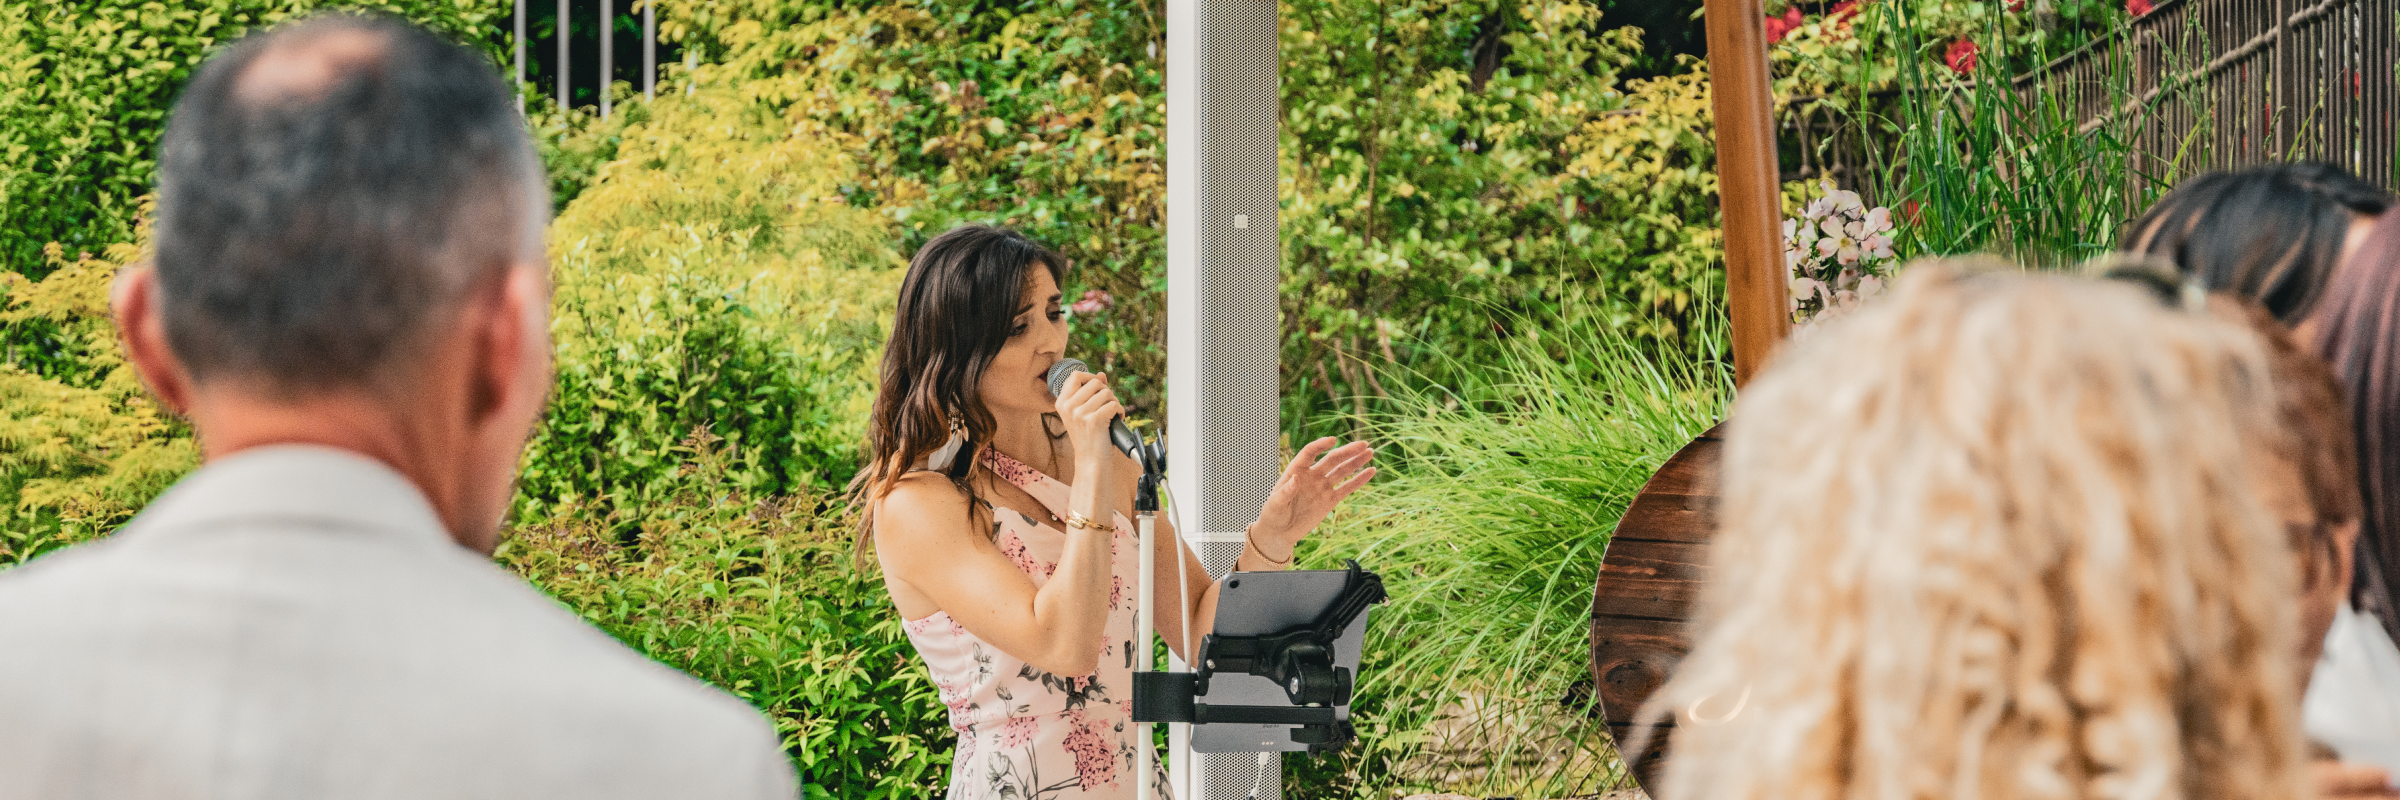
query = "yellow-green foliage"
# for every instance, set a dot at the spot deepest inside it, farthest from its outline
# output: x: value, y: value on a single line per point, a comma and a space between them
x: 77, y: 458
x: 711, y: 278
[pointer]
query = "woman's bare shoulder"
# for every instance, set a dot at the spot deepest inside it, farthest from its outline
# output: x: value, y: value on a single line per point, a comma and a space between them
x: 923, y: 508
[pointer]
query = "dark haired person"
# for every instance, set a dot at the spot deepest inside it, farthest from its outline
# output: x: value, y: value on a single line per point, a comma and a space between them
x: 2300, y: 240
x: 1000, y: 516
x: 2274, y: 234
x: 349, y: 304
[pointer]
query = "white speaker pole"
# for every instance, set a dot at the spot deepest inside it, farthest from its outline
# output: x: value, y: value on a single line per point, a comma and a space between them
x: 516, y: 49
x: 649, y: 49
x: 608, y: 51
x: 558, y: 29
x: 1224, y: 337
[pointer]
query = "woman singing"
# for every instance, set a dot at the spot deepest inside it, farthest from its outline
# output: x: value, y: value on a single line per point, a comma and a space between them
x: 1014, y: 585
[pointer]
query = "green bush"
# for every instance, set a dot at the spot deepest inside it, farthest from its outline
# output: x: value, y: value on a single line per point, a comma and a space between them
x: 79, y: 454
x: 85, y: 86
x: 755, y: 594
x: 711, y: 278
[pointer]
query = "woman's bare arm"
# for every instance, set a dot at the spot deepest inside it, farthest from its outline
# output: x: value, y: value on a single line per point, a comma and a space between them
x: 926, y: 543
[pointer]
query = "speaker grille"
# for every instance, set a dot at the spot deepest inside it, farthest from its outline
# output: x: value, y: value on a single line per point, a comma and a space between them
x: 1241, y: 335
x: 1230, y: 776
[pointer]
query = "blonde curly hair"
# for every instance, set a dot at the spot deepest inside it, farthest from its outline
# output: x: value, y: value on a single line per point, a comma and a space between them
x: 1994, y: 539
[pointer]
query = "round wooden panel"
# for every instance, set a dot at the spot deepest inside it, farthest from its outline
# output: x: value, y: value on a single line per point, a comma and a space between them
x: 1649, y: 576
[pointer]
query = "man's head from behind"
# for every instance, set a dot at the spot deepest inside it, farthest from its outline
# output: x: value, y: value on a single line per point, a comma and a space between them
x: 349, y: 253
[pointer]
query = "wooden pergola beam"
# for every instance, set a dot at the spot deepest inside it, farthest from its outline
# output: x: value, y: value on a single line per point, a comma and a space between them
x: 1749, y: 188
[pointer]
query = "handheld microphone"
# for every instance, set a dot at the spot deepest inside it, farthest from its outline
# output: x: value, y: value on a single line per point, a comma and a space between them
x: 1119, y: 435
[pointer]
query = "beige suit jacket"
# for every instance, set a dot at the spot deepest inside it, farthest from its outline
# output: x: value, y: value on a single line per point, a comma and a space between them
x: 293, y: 622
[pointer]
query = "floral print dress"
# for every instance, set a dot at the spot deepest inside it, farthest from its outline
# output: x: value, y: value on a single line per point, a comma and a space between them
x: 1025, y: 734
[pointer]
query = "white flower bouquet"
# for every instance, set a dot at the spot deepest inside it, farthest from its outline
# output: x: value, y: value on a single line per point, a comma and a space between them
x: 1838, y: 253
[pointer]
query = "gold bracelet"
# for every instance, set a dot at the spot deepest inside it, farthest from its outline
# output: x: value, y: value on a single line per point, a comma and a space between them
x: 1076, y: 519
x: 1250, y: 535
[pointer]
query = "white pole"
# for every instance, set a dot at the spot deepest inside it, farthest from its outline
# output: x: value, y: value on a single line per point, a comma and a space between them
x: 516, y: 48
x: 1183, y: 306
x: 1145, y: 757
x: 559, y: 29
x: 608, y: 50
x: 649, y: 49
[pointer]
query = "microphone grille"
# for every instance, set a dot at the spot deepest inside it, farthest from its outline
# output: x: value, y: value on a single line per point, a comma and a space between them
x: 1065, y: 368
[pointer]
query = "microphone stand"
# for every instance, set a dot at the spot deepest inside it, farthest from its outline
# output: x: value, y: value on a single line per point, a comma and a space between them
x: 1145, y: 508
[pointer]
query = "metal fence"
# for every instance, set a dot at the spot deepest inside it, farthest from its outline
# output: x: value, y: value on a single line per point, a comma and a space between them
x: 2196, y: 85
x: 2221, y: 84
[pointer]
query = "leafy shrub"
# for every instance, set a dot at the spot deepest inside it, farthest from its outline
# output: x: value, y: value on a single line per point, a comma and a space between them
x: 85, y: 86
x: 80, y: 453
x: 755, y: 594
x: 710, y: 278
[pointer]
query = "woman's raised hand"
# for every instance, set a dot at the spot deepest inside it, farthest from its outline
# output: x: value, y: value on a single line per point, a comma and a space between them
x: 1087, y: 406
x: 1318, y: 479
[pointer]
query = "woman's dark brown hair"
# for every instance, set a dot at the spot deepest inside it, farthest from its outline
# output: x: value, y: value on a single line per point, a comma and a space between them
x: 2274, y: 233
x: 957, y: 305
x: 2358, y: 333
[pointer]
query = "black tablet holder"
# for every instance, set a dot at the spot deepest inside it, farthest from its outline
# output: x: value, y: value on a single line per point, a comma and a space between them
x: 1300, y: 659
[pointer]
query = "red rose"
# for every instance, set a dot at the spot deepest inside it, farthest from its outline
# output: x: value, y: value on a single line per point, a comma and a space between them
x: 1961, y: 57
x: 2137, y: 7
x: 1779, y: 27
x: 2016, y: 5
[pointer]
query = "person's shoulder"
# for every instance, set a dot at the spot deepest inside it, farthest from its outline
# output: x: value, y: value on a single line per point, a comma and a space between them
x: 602, y: 690
x: 59, y: 574
x: 922, y: 505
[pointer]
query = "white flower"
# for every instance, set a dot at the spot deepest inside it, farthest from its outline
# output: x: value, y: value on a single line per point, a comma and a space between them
x: 1870, y: 286
x: 1880, y: 245
x: 1879, y: 220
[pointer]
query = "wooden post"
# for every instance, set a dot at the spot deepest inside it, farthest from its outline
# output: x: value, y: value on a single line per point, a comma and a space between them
x: 1749, y: 188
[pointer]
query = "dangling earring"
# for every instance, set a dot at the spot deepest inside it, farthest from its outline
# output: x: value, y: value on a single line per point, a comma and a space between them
x: 939, y: 460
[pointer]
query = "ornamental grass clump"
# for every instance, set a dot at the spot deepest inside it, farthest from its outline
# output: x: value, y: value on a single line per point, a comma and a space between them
x: 1489, y: 531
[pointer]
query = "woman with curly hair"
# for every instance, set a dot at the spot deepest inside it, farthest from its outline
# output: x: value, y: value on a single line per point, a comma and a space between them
x: 2000, y: 537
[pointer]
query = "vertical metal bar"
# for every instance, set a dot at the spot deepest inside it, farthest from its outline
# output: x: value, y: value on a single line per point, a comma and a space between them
x: 516, y: 48
x: 649, y: 49
x: 559, y: 29
x: 608, y: 51
x: 1748, y: 192
x: 2286, y: 67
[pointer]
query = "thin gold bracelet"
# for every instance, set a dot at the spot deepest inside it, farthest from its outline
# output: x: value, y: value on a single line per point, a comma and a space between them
x: 1076, y: 519
x: 1250, y: 535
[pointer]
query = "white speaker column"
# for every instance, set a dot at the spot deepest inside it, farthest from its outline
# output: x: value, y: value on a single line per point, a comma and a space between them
x: 1223, y: 332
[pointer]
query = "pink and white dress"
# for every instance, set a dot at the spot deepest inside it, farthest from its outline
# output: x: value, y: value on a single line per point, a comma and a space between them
x: 1025, y: 734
